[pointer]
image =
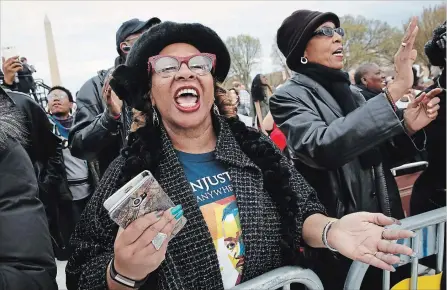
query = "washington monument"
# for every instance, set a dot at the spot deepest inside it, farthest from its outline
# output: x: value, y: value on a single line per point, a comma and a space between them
x: 51, y: 48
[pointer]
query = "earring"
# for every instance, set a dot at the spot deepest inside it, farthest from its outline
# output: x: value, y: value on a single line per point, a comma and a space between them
x: 303, y: 60
x: 216, y: 110
x: 155, y: 119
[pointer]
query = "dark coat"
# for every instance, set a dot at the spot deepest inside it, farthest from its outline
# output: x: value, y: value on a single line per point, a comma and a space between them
x: 26, y: 256
x: 325, y: 146
x: 429, y: 191
x: 43, y: 147
x: 191, y: 260
x: 95, y: 135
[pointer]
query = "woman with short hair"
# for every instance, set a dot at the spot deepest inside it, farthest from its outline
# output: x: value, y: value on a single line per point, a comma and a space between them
x: 343, y: 145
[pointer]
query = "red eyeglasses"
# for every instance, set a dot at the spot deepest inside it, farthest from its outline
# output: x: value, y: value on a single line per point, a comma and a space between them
x: 167, y: 65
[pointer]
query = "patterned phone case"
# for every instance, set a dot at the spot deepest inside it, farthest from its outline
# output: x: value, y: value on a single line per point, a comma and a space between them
x: 146, y: 198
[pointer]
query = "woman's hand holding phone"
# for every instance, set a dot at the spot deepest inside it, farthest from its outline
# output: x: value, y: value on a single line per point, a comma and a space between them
x: 136, y: 256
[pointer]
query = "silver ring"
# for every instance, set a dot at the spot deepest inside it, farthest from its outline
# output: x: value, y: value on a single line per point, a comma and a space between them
x: 158, y: 240
x: 404, y: 44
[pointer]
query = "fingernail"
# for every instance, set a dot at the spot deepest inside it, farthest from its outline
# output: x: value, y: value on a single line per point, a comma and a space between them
x: 176, y: 209
x: 159, y: 213
x: 414, y: 255
x: 414, y: 235
x: 393, y: 269
x: 397, y: 222
x: 179, y: 215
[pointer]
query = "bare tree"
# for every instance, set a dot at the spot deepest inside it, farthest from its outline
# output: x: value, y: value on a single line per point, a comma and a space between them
x: 430, y: 18
x: 369, y: 41
x: 279, y: 59
x: 245, y: 51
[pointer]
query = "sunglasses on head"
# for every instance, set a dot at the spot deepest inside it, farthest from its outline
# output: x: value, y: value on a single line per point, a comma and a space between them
x: 329, y: 31
x: 166, y: 65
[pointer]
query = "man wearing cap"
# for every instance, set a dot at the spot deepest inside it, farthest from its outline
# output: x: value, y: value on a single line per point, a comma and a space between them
x: 101, y: 120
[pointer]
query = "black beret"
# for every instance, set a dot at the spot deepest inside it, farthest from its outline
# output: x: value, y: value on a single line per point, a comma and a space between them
x: 131, y: 81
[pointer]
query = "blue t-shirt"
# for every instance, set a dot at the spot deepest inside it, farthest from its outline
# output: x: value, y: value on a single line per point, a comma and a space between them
x: 211, y: 185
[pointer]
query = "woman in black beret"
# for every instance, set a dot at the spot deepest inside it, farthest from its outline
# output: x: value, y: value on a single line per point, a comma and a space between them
x: 342, y: 144
x: 247, y: 208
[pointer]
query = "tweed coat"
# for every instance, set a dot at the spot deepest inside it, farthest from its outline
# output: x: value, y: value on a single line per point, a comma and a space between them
x: 191, y: 260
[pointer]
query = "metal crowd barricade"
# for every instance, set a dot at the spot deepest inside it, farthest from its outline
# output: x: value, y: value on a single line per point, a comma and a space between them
x: 283, y: 277
x: 430, y: 230
x: 408, y: 166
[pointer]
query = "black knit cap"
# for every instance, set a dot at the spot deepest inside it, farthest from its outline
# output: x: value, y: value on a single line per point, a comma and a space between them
x: 131, y: 81
x: 296, y: 31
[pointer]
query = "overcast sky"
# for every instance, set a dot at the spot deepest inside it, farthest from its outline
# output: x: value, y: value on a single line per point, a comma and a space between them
x: 84, y: 31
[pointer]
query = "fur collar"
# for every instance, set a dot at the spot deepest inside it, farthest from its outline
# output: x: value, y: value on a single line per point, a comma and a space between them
x: 11, y: 122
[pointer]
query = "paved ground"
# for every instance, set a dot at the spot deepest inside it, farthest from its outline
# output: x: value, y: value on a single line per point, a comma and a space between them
x: 61, y: 275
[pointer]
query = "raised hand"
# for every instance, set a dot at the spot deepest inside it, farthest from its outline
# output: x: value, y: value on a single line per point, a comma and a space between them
x: 403, y: 63
x: 113, y: 102
x: 10, y: 67
x: 361, y: 236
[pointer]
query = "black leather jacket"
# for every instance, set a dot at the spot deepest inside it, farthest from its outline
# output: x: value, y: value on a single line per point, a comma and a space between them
x: 325, y: 146
x: 95, y: 135
x: 43, y: 148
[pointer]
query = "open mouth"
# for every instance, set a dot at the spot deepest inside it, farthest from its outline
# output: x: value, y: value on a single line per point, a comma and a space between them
x: 187, y: 99
x: 338, y: 52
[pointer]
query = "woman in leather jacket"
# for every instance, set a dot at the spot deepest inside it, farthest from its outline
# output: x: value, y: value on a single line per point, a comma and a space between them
x: 342, y: 144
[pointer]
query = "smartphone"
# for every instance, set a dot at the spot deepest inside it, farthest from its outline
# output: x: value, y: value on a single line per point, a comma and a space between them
x: 142, y: 195
x: 10, y: 51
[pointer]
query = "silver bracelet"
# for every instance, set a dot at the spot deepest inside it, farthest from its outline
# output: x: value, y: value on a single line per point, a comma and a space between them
x: 326, y: 229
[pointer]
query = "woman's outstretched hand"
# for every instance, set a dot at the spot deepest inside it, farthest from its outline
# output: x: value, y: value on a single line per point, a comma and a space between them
x: 362, y: 237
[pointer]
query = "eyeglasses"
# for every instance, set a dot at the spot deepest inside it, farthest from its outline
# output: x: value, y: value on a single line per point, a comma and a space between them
x: 329, y: 31
x: 54, y: 96
x: 166, y: 66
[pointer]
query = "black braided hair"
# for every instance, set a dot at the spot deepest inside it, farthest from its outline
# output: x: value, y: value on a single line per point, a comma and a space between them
x: 276, y: 182
x: 143, y: 153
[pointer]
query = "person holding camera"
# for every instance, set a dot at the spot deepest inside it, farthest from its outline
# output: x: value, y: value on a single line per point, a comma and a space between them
x: 429, y: 190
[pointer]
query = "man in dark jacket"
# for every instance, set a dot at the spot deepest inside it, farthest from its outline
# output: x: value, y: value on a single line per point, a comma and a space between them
x: 370, y: 80
x: 26, y: 256
x: 45, y: 152
x: 102, y: 121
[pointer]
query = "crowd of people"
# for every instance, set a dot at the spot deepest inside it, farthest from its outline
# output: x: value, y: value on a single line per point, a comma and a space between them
x: 293, y: 175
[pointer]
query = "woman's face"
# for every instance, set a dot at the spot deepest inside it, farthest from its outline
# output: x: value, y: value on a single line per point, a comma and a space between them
x: 263, y: 80
x: 176, y: 108
x: 374, y: 79
x: 233, y: 96
x: 325, y: 50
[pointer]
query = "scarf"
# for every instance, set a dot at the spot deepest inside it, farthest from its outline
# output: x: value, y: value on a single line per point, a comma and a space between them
x: 337, y: 83
x: 63, y: 125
